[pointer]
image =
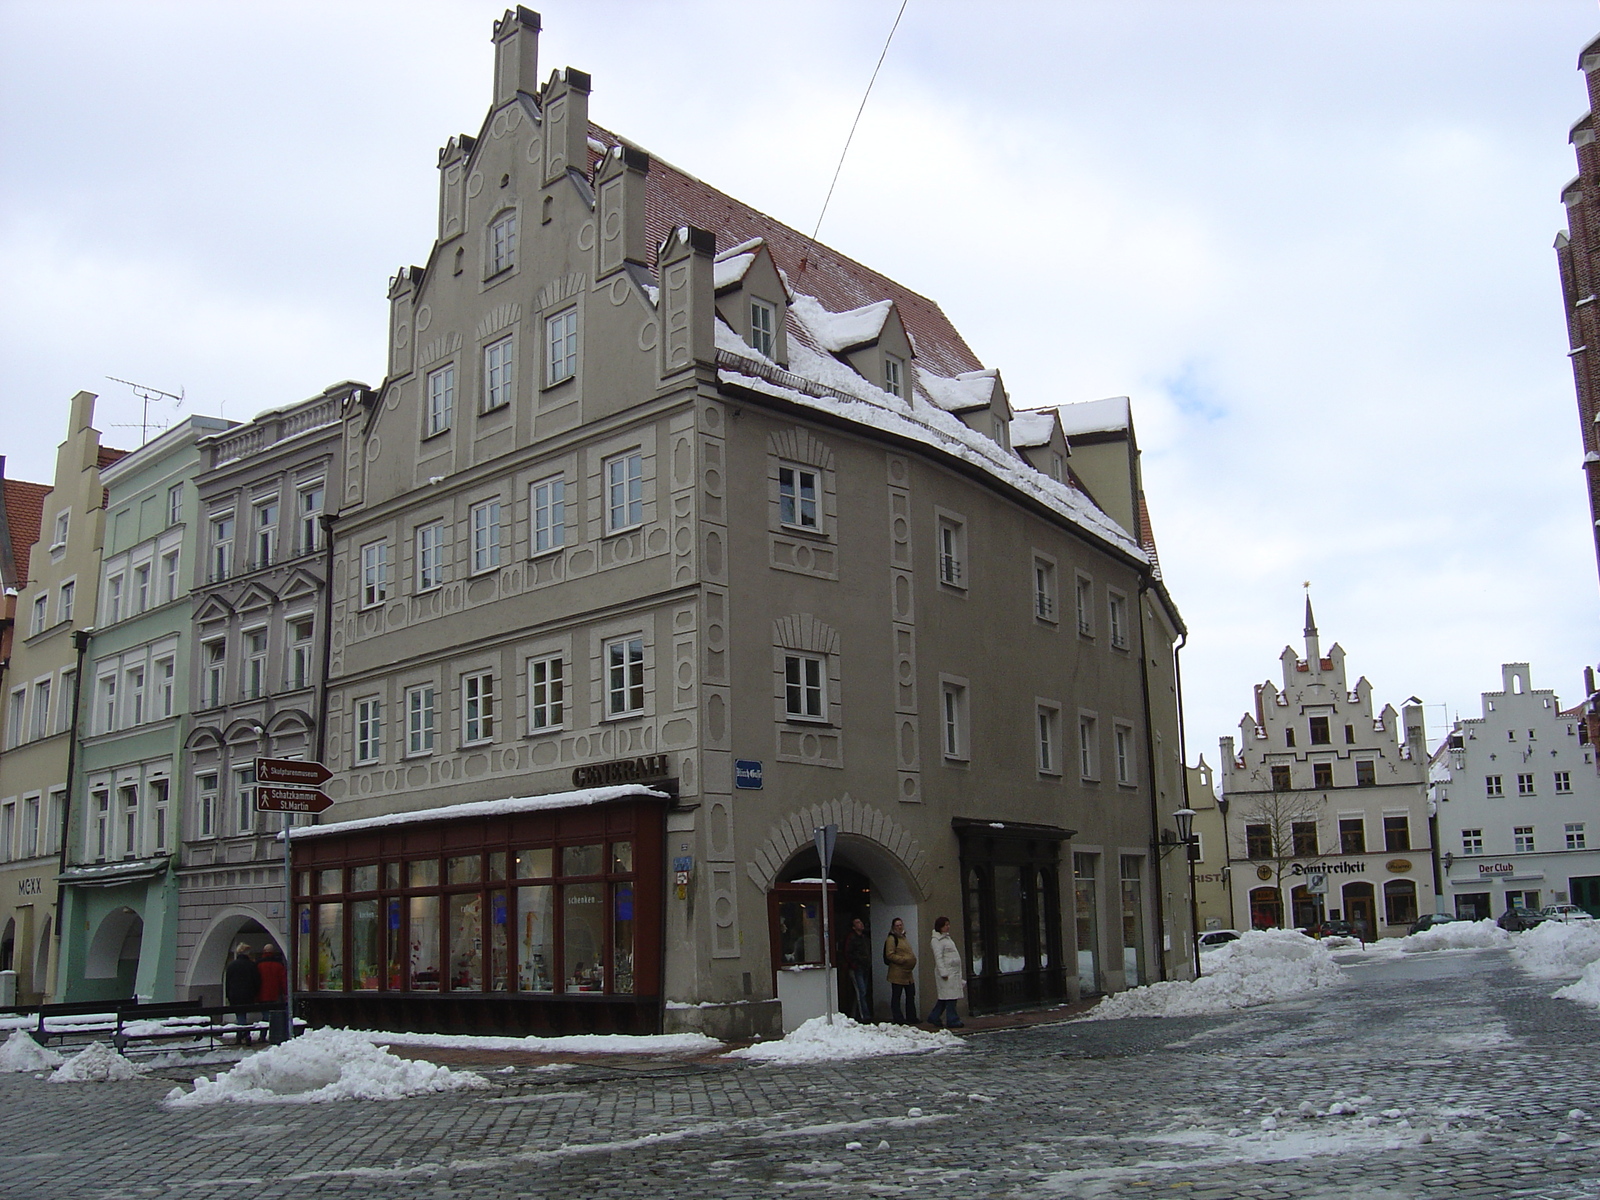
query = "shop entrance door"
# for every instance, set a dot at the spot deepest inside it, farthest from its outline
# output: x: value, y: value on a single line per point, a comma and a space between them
x: 1361, y: 910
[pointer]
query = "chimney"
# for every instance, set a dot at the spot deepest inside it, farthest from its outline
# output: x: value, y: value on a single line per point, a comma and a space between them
x: 620, y: 190
x: 566, y: 124
x: 687, y: 302
x: 516, y: 54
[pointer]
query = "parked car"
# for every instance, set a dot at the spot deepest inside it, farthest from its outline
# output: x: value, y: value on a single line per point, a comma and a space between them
x: 1514, y: 920
x: 1565, y: 912
x: 1332, y: 929
x: 1212, y: 939
x: 1429, y: 920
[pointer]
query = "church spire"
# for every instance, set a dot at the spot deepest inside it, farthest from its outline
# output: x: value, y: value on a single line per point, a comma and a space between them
x: 1313, y: 644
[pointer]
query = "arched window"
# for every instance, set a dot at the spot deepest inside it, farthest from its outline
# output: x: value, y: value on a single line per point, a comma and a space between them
x: 503, y: 242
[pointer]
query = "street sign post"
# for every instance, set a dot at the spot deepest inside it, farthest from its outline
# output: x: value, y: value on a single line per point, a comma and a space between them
x: 303, y: 798
x: 291, y: 800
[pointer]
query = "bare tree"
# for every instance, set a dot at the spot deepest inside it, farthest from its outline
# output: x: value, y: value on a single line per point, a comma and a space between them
x: 1281, y: 826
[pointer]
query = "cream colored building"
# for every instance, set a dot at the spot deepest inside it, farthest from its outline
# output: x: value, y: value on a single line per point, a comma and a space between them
x: 1327, y: 803
x: 40, y: 695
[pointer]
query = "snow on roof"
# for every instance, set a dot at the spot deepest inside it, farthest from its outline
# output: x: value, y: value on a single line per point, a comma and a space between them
x: 850, y: 396
x: 1033, y: 428
x: 970, y: 389
x: 836, y: 331
x: 1095, y: 416
x: 486, y: 808
x: 729, y: 271
x: 673, y: 197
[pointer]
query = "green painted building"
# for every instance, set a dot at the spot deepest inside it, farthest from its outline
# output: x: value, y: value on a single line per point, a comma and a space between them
x: 120, y: 900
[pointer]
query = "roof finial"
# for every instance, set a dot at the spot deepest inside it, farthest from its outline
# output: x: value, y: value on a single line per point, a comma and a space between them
x: 1311, y: 622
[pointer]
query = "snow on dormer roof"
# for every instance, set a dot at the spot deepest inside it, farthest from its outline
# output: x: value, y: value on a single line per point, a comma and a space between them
x: 1032, y: 428
x: 732, y: 263
x: 1095, y: 416
x: 836, y: 332
x: 968, y: 390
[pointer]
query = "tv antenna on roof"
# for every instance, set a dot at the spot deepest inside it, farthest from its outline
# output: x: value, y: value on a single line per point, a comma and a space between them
x: 147, y: 394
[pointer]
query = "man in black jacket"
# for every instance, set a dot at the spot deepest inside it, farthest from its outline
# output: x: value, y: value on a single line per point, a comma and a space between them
x: 241, y: 984
x: 857, y: 960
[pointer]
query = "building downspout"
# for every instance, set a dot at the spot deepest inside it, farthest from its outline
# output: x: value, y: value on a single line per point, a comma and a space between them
x: 80, y: 642
x: 326, y: 522
x: 1150, y: 769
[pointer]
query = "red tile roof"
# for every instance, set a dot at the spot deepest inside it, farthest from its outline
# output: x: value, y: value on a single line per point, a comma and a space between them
x: 673, y: 198
x: 109, y: 456
x: 24, y: 503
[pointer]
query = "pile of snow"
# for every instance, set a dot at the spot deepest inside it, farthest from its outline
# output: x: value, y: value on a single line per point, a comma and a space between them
x: 1457, y: 935
x: 324, y: 1065
x: 818, y: 1041
x: 1557, y: 948
x: 1263, y: 966
x: 576, y: 1043
x: 22, y: 1053
x: 95, y: 1063
x: 1586, y: 990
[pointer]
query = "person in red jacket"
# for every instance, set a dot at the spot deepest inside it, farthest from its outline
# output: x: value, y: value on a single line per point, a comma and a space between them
x: 274, y: 975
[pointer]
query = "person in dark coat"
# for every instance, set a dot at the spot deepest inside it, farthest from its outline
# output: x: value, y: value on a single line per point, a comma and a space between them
x: 274, y: 976
x: 241, y: 984
x: 857, y: 960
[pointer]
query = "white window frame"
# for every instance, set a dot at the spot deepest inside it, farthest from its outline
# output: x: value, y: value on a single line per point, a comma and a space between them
x: 547, y: 513
x: 955, y: 736
x: 1088, y: 746
x: 951, y: 550
x: 140, y: 598
x: 799, y: 497
x: 1083, y: 602
x: 430, y: 541
x: 1577, y: 837
x: 175, y: 504
x: 502, y: 242
x: 254, y: 645
x: 1563, y: 783
x: 477, y: 708
x: 622, y: 660
x: 1471, y: 843
x: 66, y: 600
x: 1525, y: 783
x: 561, y: 346
x: 499, y: 373
x: 309, y: 500
x: 169, y: 576
x: 1047, y: 738
x: 547, y: 693
x: 1117, y: 618
x: 894, y: 375
x: 1123, y: 753
x: 222, y: 528
x: 422, y: 716
x: 763, y: 326
x: 106, y: 702
x: 160, y: 789
x: 134, y: 697
x: 114, y: 599
x: 374, y: 574
x: 63, y: 525
x: 41, y: 708
x: 205, y: 803
x: 166, y: 669
x: 624, y: 483
x: 16, y: 717
x: 244, y: 798
x: 1044, y: 589
x: 485, y: 527
x: 440, y: 400
x: 41, y: 614
x: 215, y: 680
x: 805, y: 687
x: 265, y: 516
x: 1494, y: 785
x: 101, y: 829
x: 28, y: 833
x: 367, y: 744
x: 1522, y: 838
x: 300, y: 669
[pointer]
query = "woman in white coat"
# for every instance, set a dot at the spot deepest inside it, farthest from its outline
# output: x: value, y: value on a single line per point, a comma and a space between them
x: 950, y: 985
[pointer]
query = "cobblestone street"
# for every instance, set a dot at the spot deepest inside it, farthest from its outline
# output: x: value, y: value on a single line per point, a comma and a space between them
x: 1460, y: 1074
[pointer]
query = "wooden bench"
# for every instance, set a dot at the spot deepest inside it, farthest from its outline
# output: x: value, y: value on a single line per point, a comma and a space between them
x: 216, y: 1023
x: 42, y: 1033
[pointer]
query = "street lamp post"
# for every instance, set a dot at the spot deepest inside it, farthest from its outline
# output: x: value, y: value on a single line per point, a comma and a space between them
x: 1185, y: 820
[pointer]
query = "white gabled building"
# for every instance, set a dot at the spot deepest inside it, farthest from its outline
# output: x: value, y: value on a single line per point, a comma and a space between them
x: 1325, y: 804
x: 1519, y: 804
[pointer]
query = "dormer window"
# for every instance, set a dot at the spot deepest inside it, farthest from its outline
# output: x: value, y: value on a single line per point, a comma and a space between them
x: 503, y: 242
x: 894, y: 376
x: 762, y: 322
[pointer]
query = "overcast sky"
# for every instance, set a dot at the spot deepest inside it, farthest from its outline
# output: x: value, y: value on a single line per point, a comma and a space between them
x: 1312, y: 241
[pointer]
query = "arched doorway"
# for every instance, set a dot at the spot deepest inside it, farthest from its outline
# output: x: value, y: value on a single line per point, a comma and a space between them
x: 114, y: 951
x: 869, y: 883
x: 1360, y: 910
x: 215, y: 948
x: 1266, y: 908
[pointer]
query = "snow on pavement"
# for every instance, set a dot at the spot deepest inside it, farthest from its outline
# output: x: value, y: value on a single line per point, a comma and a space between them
x: 818, y: 1041
x: 1263, y: 966
x: 96, y: 1063
x: 1456, y: 935
x: 22, y: 1053
x: 320, y: 1066
x: 577, y: 1043
x: 1557, y: 948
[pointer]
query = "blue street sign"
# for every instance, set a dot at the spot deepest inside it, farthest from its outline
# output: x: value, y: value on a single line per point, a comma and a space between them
x: 747, y: 774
